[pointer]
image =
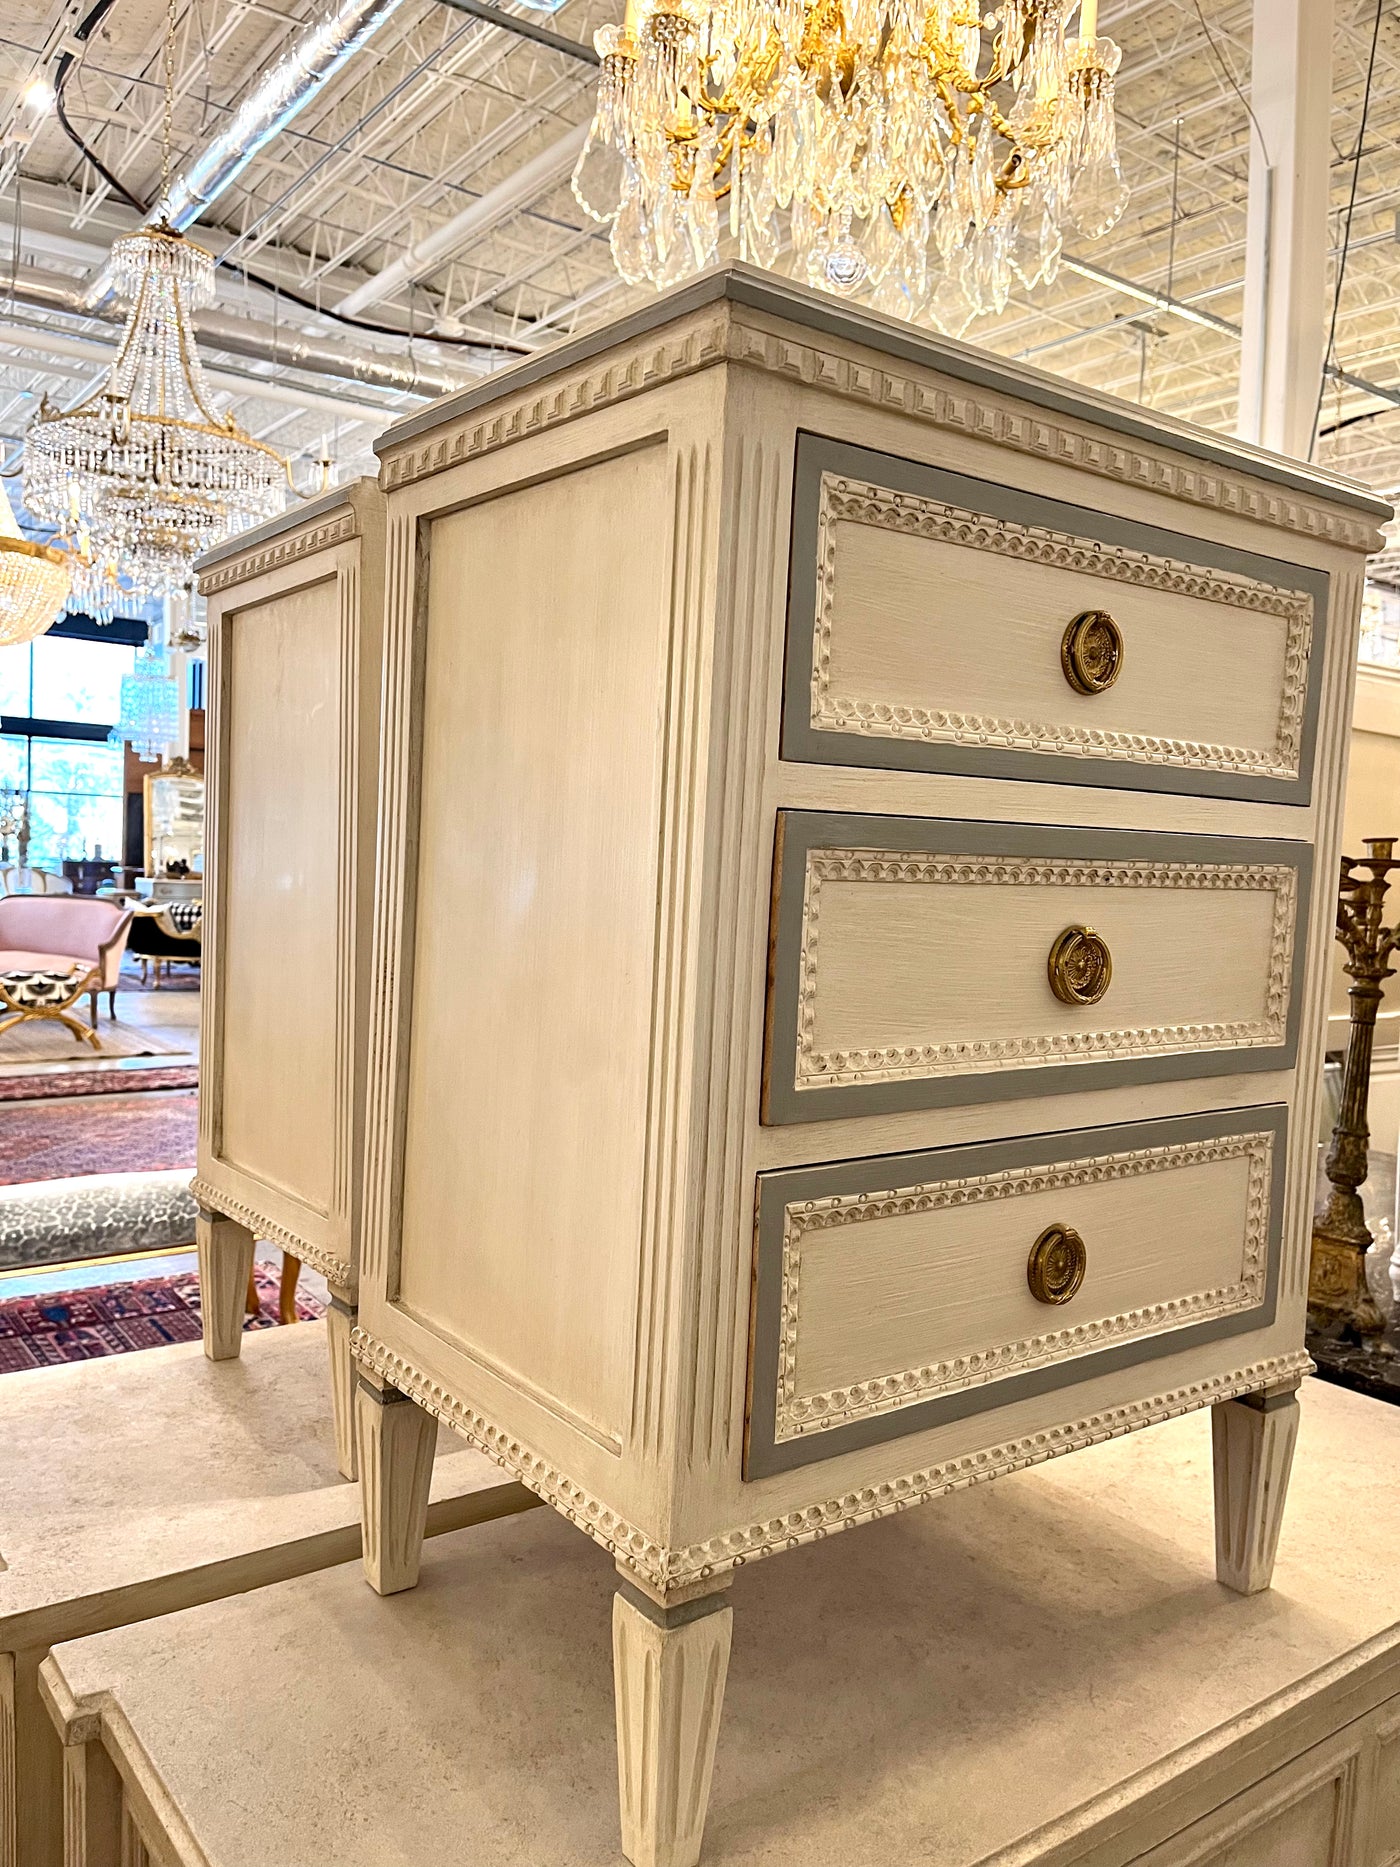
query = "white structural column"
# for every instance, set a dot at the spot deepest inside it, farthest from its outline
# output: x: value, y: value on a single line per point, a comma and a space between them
x: 1285, y: 313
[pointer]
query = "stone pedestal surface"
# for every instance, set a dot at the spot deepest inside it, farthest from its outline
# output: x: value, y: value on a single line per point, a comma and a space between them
x: 143, y: 1483
x: 1035, y: 1673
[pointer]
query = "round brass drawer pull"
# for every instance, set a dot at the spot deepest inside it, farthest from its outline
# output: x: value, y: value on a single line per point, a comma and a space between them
x: 1091, y: 653
x: 1080, y: 966
x: 1055, y: 1269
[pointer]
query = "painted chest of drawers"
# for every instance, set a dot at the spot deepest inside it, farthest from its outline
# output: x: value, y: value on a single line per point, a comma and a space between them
x: 296, y: 611
x: 858, y: 831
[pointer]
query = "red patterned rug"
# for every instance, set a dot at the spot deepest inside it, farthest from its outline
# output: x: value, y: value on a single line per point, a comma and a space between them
x: 15, y: 1086
x: 63, y: 1140
x: 115, y: 1319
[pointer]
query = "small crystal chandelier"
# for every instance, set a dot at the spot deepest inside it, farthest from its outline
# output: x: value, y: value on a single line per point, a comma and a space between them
x: 911, y: 151
x: 34, y: 581
x: 150, y: 706
x: 144, y: 474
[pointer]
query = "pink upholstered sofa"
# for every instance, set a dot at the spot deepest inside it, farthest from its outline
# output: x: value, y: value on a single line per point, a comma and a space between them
x: 53, y: 931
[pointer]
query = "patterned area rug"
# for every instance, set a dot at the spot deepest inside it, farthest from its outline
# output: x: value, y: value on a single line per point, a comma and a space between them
x: 20, y: 1086
x: 115, y: 1319
x: 61, y: 1140
x: 45, y: 1040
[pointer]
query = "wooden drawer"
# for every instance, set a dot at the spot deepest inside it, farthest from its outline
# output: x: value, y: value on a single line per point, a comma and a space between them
x: 927, y: 623
x: 895, y: 1293
x: 911, y: 960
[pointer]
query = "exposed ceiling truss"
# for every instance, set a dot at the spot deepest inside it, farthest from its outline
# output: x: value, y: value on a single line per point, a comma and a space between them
x: 425, y: 189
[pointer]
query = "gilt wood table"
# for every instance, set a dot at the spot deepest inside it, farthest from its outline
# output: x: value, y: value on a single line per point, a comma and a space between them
x: 1038, y: 1673
x: 146, y: 1482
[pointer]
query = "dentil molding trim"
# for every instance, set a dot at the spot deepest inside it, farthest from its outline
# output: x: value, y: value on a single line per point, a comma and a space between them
x: 820, y: 1068
x: 667, y: 1570
x: 284, y: 550
x: 702, y: 341
x: 335, y: 1270
x: 799, y: 1413
x: 863, y: 503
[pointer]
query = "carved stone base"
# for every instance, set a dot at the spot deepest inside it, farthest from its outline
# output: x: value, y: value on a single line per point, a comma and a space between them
x: 1340, y: 1305
x: 669, y: 1668
x: 395, y: 1441
x: 225, y: 1264
x: 1254, y: 1439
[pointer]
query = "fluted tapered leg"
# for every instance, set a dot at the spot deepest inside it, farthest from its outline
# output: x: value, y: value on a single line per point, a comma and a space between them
x: 92, y: 1807
x: 395, y: 1441
x: 225, y: 1265
x: 1254, y: 1439
x: 340, y: 1320
x: 669, y: 1669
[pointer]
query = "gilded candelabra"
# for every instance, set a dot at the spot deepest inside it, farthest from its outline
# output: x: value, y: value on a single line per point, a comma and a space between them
x: 1339, y: 1302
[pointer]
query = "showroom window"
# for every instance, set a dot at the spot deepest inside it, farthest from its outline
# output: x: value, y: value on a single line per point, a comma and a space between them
x: 59, y: 698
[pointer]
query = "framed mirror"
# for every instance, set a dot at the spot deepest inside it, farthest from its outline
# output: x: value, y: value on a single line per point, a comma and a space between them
x: 174, y: 810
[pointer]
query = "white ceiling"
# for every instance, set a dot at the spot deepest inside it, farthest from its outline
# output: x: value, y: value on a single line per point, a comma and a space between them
x: 440, y: 112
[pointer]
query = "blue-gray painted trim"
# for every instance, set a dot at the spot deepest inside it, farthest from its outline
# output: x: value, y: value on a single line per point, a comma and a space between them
x: 799, y: 831
x: 764, y: 1456
x: 806, y: 744
x: 811, y: 310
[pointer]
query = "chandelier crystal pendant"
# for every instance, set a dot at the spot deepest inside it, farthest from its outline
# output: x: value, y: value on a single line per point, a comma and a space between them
x: 150, y: 706
x: 912, y: 152
x: 144, y: 475
x: 34, y: 582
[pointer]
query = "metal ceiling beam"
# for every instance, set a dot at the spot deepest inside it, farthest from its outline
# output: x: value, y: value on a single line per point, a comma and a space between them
x: 283, y: 346
x: 26, y: 339
x: 281, y: 93
x: 526, y: 29
x: 526, y: 184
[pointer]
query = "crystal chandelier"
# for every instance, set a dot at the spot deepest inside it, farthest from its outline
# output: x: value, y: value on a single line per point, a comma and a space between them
x: 144, y: 474
x: 910, y: 151
x: 34, y: 582
x: 150, y: 706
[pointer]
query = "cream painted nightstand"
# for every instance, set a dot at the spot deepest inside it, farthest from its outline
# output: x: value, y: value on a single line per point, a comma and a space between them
x: 858, y: 822
x: 296, y: 612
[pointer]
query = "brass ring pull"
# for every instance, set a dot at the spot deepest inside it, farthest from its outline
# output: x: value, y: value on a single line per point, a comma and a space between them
x: 1080, y: 967
x: 1091, y: 653
x: 1055, y: 1268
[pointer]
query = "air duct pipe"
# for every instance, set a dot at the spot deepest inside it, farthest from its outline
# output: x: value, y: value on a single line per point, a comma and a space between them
x: 277, y: 98
x: 245, y: 338
x: 280, y: 94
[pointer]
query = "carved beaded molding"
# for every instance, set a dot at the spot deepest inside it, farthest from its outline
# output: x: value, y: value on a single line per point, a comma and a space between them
x: 799, y: 1413
x: 860, y: 503
x: 673, y: 1569
x: 335, y: 1270
x: 278, y: 551
x: 824, y: 1069
x: 701, y: 342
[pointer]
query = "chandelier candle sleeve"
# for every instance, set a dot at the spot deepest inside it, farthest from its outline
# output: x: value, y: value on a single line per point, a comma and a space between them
x: 908, y: 151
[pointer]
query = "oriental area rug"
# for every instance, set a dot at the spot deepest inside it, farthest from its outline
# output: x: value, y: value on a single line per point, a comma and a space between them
x: 114, y: 1319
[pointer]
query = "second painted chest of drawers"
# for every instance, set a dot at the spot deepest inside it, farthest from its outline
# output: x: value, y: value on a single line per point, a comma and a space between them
x: 858, y: 823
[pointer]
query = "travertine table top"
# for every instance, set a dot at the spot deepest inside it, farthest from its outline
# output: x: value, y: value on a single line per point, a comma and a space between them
x: 138, y: 1470
x: 936, y: 1687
